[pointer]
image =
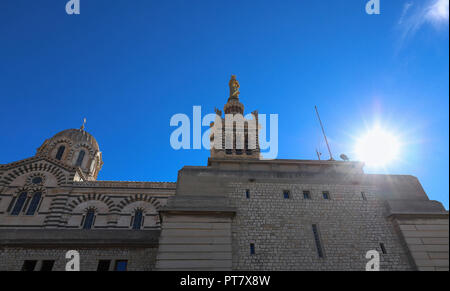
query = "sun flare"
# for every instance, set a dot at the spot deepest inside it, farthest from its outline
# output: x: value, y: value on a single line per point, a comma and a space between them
x: 377, y: 148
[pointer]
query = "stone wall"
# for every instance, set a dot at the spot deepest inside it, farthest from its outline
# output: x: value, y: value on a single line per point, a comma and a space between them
x: 349, y: 224
x: 195, y: 242
x: 139, y: 259
x: 426, y: 238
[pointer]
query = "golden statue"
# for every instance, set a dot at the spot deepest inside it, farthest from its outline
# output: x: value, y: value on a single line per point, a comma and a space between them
x: 234, y: 87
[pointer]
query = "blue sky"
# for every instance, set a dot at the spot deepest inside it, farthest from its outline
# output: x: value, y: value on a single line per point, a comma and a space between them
x: 129, y: 66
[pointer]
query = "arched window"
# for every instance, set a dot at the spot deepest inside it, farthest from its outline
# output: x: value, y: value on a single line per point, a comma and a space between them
x: 37, y: 180
x: 89, y: 219
x: 80, y: 158
x: 34, y: 203
x: 19, y: 203
x: 138, y: 219
x: 60, y: 152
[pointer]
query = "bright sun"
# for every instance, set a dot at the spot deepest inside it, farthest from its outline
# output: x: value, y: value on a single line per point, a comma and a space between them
x: 377, y: 148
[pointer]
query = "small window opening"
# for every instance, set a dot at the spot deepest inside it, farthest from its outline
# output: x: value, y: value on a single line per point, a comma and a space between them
x: 363, y: 196
x: 29, y: 265
x: 306, y: 195
x: 103, y: 265
x: 47, y: 265
x: 317, y: 240
x: 383, y: 248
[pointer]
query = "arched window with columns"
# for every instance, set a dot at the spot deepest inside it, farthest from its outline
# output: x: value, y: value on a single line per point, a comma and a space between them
x: 20, y: 201
x: 34, y: 204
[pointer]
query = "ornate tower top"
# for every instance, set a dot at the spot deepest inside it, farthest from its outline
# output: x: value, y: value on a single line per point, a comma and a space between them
x: 233, y: 105
x: 235, y: 138
x: 234, y: 87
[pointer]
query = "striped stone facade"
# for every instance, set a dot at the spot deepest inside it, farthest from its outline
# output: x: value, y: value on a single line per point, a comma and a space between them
x: 45, y: 230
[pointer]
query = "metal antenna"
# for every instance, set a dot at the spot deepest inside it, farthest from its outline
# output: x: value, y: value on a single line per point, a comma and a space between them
x: 325, y: 136
x: 318, y: 154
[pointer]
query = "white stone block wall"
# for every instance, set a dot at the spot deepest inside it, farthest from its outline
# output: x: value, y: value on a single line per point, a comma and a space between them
x: 195, y: 242
x: 427, y: 241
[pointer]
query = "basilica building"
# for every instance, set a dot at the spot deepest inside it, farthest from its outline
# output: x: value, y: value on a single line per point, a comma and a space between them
x: 238, y: 212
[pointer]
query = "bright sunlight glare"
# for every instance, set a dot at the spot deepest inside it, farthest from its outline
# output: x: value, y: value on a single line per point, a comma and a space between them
x: 377, y: 148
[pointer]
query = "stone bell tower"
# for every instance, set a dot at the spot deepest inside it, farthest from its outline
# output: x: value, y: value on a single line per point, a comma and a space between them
x: 235, y: 136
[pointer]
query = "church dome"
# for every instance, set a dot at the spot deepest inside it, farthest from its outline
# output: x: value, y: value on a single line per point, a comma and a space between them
x: 78, y: 136
x: 76, y: 148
